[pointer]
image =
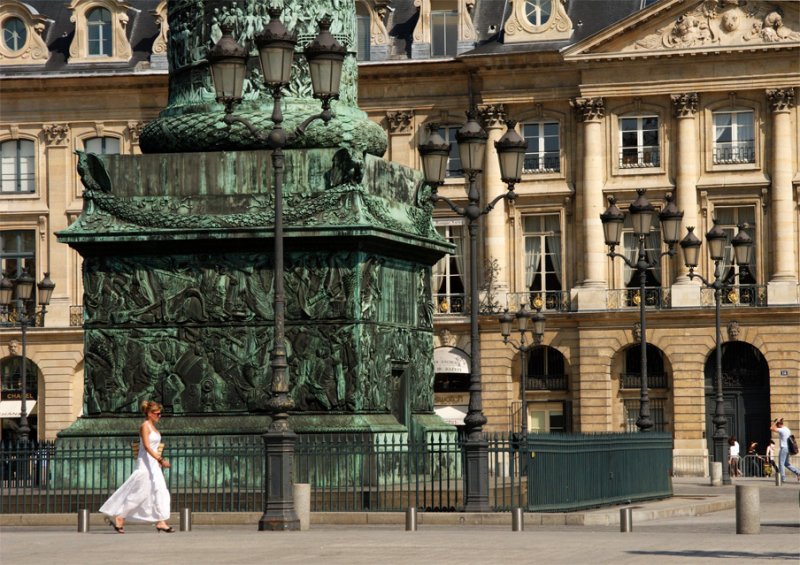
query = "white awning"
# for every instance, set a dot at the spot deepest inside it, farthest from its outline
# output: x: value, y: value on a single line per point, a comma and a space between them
x: 453, y: 415
x: 13, y: 408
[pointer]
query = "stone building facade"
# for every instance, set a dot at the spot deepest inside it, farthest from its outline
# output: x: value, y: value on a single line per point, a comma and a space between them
x: 696, y: 99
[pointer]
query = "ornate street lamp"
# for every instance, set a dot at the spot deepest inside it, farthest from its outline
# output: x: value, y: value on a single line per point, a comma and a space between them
x: 276, y: 47
x: 22, y: 289
x: 743, y: 255
x: 471, y: 139
x: 524, y: 317
x: 642, y: 212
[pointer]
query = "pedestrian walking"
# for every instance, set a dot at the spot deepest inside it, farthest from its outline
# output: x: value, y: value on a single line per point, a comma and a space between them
x: 733, y: 457
x: 144, y: 496
x: 783, y: 449
x: 769, y: 455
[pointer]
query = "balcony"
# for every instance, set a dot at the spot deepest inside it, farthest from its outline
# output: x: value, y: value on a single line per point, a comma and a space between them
x: 540, y: 163
x: 754, y: 295
x: 451, y: 304
x: 546, y: 300
x: 634, y: 380
x: 734, y: 153
x: 639, y: 157
x: 9, y: 317
x: 656, y: 298
x: 546, y: 382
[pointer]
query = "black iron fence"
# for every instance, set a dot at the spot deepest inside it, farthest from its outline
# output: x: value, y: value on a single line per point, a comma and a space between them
x: 365, y: 472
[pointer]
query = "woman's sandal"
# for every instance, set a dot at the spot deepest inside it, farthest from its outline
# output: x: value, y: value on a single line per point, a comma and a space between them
x: 167, y: 530
x: 118, y: 529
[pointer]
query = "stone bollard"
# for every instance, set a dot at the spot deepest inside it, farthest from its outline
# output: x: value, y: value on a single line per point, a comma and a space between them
x: 186, y: 520
x: 716, y: 474
x: 411, y: 519
x: 625, y: 520
x: 83, y: 521
x: 517, y: 520
x: 748, y: 510
x: 302, y: 504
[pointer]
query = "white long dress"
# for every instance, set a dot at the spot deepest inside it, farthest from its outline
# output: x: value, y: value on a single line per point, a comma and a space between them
x: 144, y: 496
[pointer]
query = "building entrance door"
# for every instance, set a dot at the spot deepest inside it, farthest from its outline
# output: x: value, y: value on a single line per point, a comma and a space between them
x: 745, y: 388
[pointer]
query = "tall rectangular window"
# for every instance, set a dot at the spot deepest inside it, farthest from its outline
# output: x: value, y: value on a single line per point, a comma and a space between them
x: 444, y: 33
x: 362, y: 34
x: 734, y: 140
x: 729, y: 218
x: 17, y: 162
x: 543, y: 152
x: 102, y: 145
x: 454, y: 169
x: 99, y: 30
x: 449, y: 282
x: 639, y: 146
x: 544, y: 276
x: 653, y: 295
x: 18, y: 252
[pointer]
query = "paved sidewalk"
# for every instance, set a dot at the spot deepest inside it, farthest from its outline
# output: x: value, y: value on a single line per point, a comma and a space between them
x: 664, y: 538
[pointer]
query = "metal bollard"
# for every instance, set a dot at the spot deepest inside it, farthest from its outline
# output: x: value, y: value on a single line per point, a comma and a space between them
x: 748, y: 510
x: 411, y: 519
x: 83, y: 520
x: 626, y: 520
x: 517, y: 520
x: 777, y: 479
x: 186, y: 520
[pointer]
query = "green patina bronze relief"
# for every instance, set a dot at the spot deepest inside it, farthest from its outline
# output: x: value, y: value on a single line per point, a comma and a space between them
x: 192, y: 120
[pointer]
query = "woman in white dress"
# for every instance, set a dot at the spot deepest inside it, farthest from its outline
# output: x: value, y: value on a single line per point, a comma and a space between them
x: 144, y: 496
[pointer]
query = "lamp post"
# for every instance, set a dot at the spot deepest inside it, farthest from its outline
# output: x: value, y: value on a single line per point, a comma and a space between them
x: 642, y: 212
x: 228, y: 61
x: 471, y: 139
x: 743, y: 255
x: 523, y: 317
x: 22, y: 289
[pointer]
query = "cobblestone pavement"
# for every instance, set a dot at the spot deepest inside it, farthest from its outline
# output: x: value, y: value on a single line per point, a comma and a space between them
x: 709, y: 538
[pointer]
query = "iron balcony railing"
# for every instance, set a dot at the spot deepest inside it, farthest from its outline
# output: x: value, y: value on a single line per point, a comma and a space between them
x: 539, y: 163
x: 454, y: 304
x: 546, y: 382
x: 546, y: 300
x: 754, y: 295
x: 76, y: 315
x: 639, y: 157
x: 9, y: 316
x: 734, y: 153
x: 634, y: 380
x: 657, y: 298
x: 361, y: 472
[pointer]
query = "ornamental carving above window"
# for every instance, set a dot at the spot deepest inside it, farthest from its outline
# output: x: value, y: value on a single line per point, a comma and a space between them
x: 21, y: 30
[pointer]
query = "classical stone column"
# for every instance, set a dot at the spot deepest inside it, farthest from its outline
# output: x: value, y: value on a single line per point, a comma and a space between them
x: 782, y: 287
x: 60, y: 168
x: 496, y: 241
x: 686, y: 292
x: 591, y: 294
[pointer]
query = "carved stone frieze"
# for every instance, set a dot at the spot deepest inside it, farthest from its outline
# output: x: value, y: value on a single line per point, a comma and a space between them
x: 781, y: 99
x: 588, y: 109
x: 492, y: 115
x: 733, y: 330
x: 400, y: 122
x: 55, y: 134
x: 721, y: 23
x: 685, y: 105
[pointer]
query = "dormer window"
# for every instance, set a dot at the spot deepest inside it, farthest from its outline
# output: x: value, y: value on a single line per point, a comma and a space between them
x: 444, y: 33
x: 99, y: 27
x: 363, y: 23
x: 15, y: 34
x: 537, y: 20
x: 538, y: 11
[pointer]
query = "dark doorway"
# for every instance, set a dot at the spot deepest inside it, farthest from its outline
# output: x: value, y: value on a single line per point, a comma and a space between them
x: 745, y: 388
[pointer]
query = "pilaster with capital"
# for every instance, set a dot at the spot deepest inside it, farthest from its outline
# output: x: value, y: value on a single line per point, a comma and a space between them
x: 493, y: 118
x: 591, y: 112
x: 782, y: 209
x: 399, y: 126
x: 685, y: 108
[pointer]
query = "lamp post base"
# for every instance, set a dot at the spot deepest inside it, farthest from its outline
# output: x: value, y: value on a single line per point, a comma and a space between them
x: 279, y: 513
x: 476, y: 476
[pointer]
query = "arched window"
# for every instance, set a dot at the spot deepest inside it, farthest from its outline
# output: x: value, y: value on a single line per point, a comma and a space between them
x: 99, y: 28
x: 17, y: 166
x: 632, y: 371
x: 546, y: 369
x: 102, y: 145
x: 538, y: 11
x: 15, y: 34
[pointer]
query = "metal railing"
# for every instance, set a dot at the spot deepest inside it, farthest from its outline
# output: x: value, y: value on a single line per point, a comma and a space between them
x: 634, y: 380
x: 734, y: 153
x: 550, y: 300
x: 539, y: 163
x: 641, y: 157
x: 754, y: 295
x: 546, y: 382
x: 453, y: 304
x: 9, y: 316
x: 346, y: 472
x: 657, y: 298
